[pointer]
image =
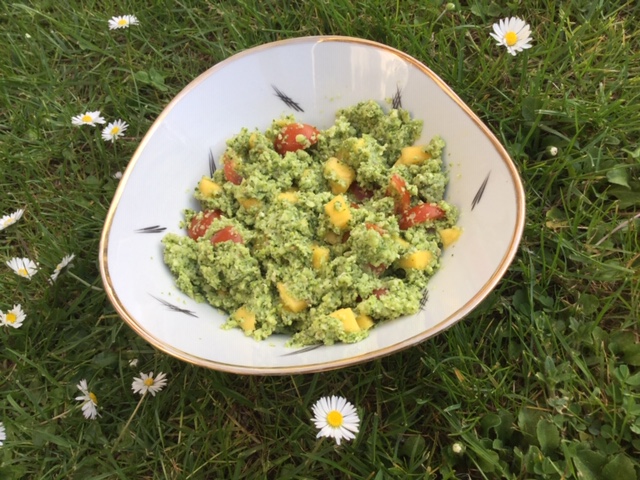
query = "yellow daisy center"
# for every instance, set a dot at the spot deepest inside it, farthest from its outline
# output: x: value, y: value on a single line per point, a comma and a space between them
x: 148, y: 382
x: 11, y: 317
x: 93, y: 398
x: 511, y: 38
x: 115, y: 130
x: 23, y: 271
x: 87, y: 118
x: 334, y: 418
x: 122, y: 21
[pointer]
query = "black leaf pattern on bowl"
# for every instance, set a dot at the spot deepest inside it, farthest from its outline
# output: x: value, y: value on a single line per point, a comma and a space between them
x: 152, y: 229
x: 302, y: 350
x: 480, y: 191
x: 212, y: 164
x: 171, y: 306
x: 424, y: 299
x: 287, y: 100
x: 396, y: 101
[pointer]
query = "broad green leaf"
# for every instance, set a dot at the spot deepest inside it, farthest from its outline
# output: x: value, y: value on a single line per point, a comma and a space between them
x: 632, y: 355
x: 527, y: 422
x: 589, y: 464
x: 588, y: 303
x: 619, y: 468
x: 626, y: 197
x: 620, y: 342
x: 530, y: 105
x: 548, y: 436
x: 152, y: 77
x: 619, y: 176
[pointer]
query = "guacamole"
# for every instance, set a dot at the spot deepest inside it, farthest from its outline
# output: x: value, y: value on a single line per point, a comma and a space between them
x: 319, y: 234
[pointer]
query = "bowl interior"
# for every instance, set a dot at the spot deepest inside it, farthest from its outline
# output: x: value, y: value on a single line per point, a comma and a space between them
x: 312, y: 78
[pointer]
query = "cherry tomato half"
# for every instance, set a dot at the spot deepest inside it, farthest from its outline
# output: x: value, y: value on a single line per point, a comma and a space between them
x: 379, y: 292
x: 295, y: 136
x: 374, y: 227
x: 359, y: 193
x: 398, y: 190
x: 420, y: 214
x: 231, y: 172
x: 199, y: 226
x: 227, y: 234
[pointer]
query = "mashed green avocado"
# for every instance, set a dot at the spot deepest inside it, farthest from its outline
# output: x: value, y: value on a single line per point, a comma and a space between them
x: 322, y: 242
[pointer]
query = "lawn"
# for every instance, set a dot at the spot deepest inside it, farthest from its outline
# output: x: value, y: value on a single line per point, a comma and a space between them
x: 541, y: 381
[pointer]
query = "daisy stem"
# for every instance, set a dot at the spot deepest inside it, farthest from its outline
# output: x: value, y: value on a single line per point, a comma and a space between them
x: 126, y: 426
x: 86, y: 284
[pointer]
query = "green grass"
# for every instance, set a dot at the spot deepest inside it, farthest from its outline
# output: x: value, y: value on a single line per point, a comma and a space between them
x: 541, y: 381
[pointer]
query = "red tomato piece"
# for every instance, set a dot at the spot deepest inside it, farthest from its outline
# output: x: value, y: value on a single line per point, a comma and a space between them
x: 379, y: 292
x: 377, y: 270
x: 227, y: 234
x: 199, y: 226
x: 420, y: 214
x: 231, y: 173
x: 398, y: 190
x: 295, y: 136
x: 373, y: 226
x: 360, y: 194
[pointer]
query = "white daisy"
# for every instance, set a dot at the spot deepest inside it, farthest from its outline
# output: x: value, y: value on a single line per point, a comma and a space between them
x: 87, y: 118
x: 11, y: 218
x: 13, y: 318
x: 147, y: 383
x: 514, y: 33
x: 89, y: 401
x: 63, y: 263
x: 3, y: 435
x: 335, y: 417
x: 114, y: 130
x: 23, y: 266
x: 122, y: 22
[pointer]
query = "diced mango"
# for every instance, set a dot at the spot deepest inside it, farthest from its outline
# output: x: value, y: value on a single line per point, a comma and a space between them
x: 339, y: 175
x: 412, y: 156
x: 288, y: 196
x: 338, y: 211
x: 320, y: 257
x: 419, y: 260
x: 348, y: 319
x: 289, y: 301
x: 246, y: 319
x: 249, y: 203
x: 364, y: 321
x: 402, y: 242
x: 208, y: 188
x: 252, y: 140
x: 449, y: 235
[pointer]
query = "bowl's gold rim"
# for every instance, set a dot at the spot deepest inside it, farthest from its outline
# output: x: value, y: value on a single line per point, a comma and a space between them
x: 319, y: 367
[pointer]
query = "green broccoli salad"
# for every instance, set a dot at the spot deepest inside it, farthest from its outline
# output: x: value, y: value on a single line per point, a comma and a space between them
x: 319, y: 234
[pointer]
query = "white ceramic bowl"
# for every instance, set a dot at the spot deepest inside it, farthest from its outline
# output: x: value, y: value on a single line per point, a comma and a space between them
x: 311, y: 77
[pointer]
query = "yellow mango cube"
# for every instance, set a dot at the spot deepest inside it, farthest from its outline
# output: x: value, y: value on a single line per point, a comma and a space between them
x: 288, y: 196
x: 449, y: 235
x: 289, y: 301
x: 208, y: 188
x: 338, y: 211
x: 339, y: 175
x: 249, y: 203
x: 412, y: 156
x: 419, y: 260
x: 246, y: 319
x: 320, y: 257
x: 364, y: 321
x: 348, y: 319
